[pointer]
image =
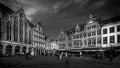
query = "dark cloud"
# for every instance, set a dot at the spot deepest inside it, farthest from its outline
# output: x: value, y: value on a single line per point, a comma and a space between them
x: 57, y: 14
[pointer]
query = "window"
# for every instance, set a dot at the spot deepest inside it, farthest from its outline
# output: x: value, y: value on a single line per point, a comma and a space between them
x: 84, y: 34
x: 89, y: 27
x: 89, y: 34
x: 118, y: 28
x: 104, y: 40
x: 21, y: 28
x: 15, y: 29
x: 93, y: 40
x: 80, y: 35
x: 80, y: 43
x: 76, y: 43
x: 112, y: 39
x: 26, y: 33
x: 112, y: 29
x: 39, y: 28
x: 70, y: 38
x: 118, y: 38
x: 85, y: 42
x: 89, y: 41
x: 98, y: 40
x: 98, y: 32
x: 8, y: 31
x: 93, y: 26
x: 76, y: 36
x: 94, y: 33
x: 105, y: 31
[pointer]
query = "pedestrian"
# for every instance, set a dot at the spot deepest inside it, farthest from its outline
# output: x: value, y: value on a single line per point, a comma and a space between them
x: 26, y: 55
x: 32, y: 53
x: 60, y: 55
x: 80, y: 54
x: 110, y: 58
x: 66, y: 54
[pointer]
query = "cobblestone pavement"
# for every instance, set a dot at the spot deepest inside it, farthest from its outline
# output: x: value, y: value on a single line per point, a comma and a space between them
x: 54, y: 62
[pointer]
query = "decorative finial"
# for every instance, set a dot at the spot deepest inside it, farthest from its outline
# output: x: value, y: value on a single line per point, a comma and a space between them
x: 77, y: 26
x: 77, y: 29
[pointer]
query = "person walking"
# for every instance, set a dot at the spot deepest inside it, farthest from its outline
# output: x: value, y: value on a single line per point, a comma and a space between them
x: 60, y: 55
x: 80, y: 54
x: 26, y: 55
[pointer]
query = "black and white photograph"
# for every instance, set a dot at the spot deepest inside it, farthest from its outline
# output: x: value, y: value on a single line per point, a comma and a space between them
x: 59, y: 33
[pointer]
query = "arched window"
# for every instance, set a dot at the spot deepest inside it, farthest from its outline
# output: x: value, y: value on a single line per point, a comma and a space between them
x: 26, y: 41
x: 21, y: 27
x: 15, y: 29
x: 8, y: 31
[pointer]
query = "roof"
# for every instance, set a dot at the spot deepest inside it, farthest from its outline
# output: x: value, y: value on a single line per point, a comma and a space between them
x: 39, y: 23
x: 113, y: 20
x: 4, y: 7
x: 31, y: 24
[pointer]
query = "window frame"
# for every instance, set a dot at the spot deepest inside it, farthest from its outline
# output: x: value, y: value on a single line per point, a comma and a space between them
x: 110, y: 30
x: 105, y: 32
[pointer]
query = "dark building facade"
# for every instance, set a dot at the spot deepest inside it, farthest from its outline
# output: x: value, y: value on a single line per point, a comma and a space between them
x: 15, y: 37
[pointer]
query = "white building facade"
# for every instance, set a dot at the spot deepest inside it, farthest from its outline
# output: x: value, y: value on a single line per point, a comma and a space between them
x: 111, y: 34
x: 89, y: 36
x: 38, y: 38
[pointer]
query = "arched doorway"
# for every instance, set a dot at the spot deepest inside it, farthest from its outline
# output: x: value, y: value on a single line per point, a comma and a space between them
x: 1, y: 47
x: 8, y: 50
x: 24, y: 50
x: 17, y: 50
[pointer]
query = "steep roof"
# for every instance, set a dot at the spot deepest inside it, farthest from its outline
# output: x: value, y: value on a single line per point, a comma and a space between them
x: 6, y: 8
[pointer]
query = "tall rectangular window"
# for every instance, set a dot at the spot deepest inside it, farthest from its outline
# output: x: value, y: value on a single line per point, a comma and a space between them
x: 98, y: 32
x: 21, y: 28
x: 118, y: 28
x: 8, y: 31
x: 112, y: 39
x: 89, y: 34
x: 118, y: 38
x: 84, y: 34
x: 94, y: 33
x: 93, y: 40
x: 105, y: 31
x: 85, y: 42
x: 98, y: 40
x: 89, y: 41
x: 112, y: 29
x: 15, y: 29
x: 80, y: 35
x: 104, y: 40
x: 26, y: 33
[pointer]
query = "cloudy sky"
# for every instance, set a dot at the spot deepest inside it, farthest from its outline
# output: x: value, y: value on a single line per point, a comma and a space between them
x: 64, y: 14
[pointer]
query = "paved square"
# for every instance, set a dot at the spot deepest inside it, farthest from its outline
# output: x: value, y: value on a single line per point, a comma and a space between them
x: 54, y: 62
